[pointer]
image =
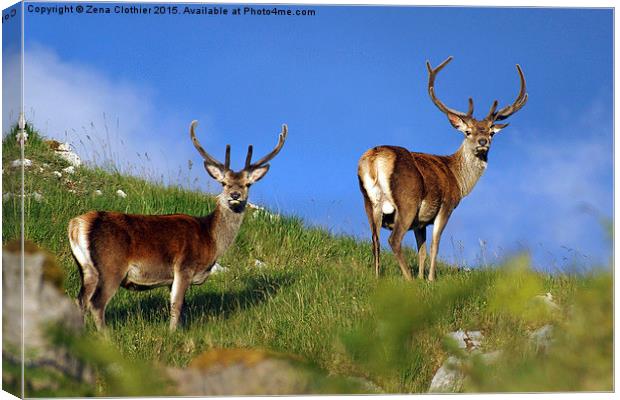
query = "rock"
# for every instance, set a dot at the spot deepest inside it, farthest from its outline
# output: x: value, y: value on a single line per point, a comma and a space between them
x: 241, y: 372
x: 448, y: 378
x: 121, y: 194
x: 70, y: 157
x: 459, y: 338
x: 63, y: 150
x: 57, y: 174
x: 98, y: 192
x: 469, y: 340
x: 217, y: 268
x: 18, y: 163
x: 473, y: 339
x: 542, y: 338
x: 45, y: 305
x: 64, y: 147
x: 69, y: 170
x: 255, y: 207
x: 38, y: 197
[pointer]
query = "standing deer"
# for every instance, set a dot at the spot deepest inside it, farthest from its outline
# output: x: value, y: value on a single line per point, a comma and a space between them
x: 404, y: 190
x: 141, y: 252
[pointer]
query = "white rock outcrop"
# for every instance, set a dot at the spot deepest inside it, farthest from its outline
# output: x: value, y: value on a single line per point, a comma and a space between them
x: 218, y: 269
x: 18, y: 163
x: 450, y: 377
x: 63, y: 150
x: 470, y: 340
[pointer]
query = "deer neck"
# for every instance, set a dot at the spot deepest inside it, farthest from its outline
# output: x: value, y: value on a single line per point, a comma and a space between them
x: 225, y: 226
x: 467, y: 168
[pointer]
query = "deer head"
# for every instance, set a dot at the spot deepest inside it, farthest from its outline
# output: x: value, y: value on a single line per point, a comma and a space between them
x: 478, y: 133
x: 236, y: 185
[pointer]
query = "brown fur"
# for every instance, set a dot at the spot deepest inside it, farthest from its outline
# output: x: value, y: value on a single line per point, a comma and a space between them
x: 404, y: 190
x: 141, y: 252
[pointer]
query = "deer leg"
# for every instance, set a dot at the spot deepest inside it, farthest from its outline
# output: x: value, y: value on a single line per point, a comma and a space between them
x: 105, y: 290
x: 438, y: 227
x: 180, y: 284
x: 402, y: 222
x: 376, y: 244
x: 90, y: 278
x: 374, y: 214
x: 420, y: 238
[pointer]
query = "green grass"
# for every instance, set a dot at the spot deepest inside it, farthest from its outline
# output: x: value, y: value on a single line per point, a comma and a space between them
x: 317, y: 297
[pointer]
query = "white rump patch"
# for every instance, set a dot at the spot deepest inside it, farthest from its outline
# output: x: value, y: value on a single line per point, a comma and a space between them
x: 387, y: 208
x: 379, y: 190
x: 80, y: 247
x: 373, y: 191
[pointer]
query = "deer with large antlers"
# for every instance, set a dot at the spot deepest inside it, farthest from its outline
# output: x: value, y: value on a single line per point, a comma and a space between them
x: 142, y: 252
x: 404, y: 190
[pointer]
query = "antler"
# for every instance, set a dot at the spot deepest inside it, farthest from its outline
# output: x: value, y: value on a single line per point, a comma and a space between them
x: 432, y: 73
x: 514, y: 107
x: 268, y: 157
x: 208, y: 158
x: 491, y: 113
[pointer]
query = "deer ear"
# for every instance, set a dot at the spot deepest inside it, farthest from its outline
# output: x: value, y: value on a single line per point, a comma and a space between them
x: 457, y: 122
x: 498, y: 127
x: 215, y: 172
x: 256, y: 174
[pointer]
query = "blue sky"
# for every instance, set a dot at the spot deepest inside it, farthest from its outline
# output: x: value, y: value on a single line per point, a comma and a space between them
x: 345, y: 80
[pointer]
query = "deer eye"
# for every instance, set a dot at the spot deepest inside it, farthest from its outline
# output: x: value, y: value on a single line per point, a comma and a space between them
x: 468, y: 132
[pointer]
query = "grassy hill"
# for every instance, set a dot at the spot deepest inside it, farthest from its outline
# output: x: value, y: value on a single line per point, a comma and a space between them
x: 316, y: 295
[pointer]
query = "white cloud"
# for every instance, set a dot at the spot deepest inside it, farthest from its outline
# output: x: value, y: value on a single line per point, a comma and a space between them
x: 106, y: 119
x: 67, y: 101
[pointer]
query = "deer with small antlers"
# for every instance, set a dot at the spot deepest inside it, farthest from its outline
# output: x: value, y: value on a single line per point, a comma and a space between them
x: 404, y: 190
x: 141, y: 252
